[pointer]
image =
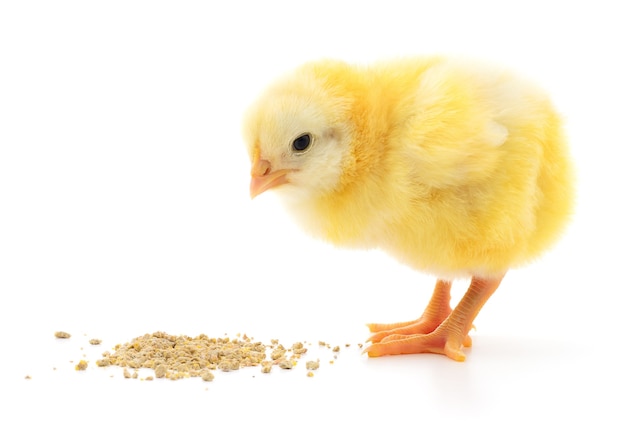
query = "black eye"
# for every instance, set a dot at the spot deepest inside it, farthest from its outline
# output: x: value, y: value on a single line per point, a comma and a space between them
x: 302, y: 142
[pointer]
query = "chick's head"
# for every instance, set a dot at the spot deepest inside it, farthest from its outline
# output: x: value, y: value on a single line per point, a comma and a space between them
x: 299, y: 137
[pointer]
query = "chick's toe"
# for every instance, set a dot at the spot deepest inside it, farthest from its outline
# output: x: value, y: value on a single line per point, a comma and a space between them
x: 436, y: 312
x: 450, y: 336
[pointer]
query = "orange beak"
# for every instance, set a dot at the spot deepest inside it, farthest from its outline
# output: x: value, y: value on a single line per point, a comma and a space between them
x: 263, y: 178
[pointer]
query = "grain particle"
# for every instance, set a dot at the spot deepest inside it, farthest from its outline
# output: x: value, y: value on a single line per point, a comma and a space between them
x: 312, y: 364
x: 228, y: 365
x: 309, y: 374
x: 286, y: 364
x: 160, y: 371
x: 81, y: 366
x: 278, y: 353
x: 126, y: 373
x: 298, y: 349
x: 103, y: 362
x: 207, y: 375
x: 62, y: 335
x: 95, y: 341
x: 336, y: 349
x: 266, y: 366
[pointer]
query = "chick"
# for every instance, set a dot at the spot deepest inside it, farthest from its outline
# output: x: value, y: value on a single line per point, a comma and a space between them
x: 455, y: 168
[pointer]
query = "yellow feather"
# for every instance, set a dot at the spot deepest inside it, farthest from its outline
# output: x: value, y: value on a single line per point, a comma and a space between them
x: 454, y: 168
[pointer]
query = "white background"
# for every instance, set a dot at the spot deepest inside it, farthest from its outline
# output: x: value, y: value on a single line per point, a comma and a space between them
x: 124, y: 210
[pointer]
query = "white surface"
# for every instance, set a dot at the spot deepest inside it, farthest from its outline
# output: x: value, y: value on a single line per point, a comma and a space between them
x: 124, y: 210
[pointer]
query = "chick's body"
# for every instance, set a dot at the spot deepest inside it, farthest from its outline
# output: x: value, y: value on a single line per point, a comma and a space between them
x: 453, y: 168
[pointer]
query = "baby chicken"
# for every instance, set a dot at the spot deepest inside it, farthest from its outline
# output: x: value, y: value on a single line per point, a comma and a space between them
x: 454, y: 168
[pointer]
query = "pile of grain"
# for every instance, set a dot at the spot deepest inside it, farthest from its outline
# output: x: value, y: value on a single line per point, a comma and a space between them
x: 175, y: 357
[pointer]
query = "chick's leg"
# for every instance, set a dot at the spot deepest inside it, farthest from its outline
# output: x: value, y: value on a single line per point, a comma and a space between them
x: 435, y: 313
x: 449, y: 337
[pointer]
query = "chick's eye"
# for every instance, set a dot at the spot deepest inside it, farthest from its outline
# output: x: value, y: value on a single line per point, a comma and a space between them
x: 302, y: 142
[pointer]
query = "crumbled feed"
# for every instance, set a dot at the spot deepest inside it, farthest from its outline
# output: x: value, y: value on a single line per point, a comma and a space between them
x: 175, y: 357
x: 160, y: 371
x: 62, y: 335
x: 313, y: 364
x: 95, y: 341
x: 266, y: 366
x: 278, y: 353
x: 336, y: 349
x: 103, y: 362
x: 81, y: 366
x: 207, y: 375
x: 286, y: 364
x: 309, y: 374
x: 28, y: 377
x: 228, y: 365
x: 298, y: 349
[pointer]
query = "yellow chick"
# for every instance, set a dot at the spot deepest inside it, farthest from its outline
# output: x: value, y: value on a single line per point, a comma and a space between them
x: 454, y: 168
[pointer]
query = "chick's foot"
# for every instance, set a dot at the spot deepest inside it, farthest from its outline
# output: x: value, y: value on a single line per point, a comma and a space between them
x: 436, y: 312
x: 442, y: 341
x: 449, y: 337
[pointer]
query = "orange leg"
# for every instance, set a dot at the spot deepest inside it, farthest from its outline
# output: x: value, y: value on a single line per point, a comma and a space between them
x: 436, y: 312
x: 450, y: 336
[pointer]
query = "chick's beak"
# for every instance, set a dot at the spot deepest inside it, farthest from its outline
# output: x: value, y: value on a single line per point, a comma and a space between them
x: 263, y: 178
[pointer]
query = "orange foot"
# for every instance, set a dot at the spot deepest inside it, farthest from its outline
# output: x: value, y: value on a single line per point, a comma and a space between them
x: 436, y: 312
x: 448, y: 336
x: 442, y: 340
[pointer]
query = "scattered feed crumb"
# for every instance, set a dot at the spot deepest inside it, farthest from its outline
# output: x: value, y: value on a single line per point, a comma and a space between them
x: 207, y: 376
x: 28, y: 377
x: 309, y: 374
x: 312, y: 364
x: 298, y: 349
x: 336, y: 349
x: 126, y: 373
x: 286, y: 364
x: 278, y: 353
x: 149, y: 378
x: 360, y: 345
x: 266, y: 366
x: 95, y: 341
x: 62, y: 335
x: 228, y: 365
x: 160, y: 371
x: 81, y: 366
x: 103, y: 362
